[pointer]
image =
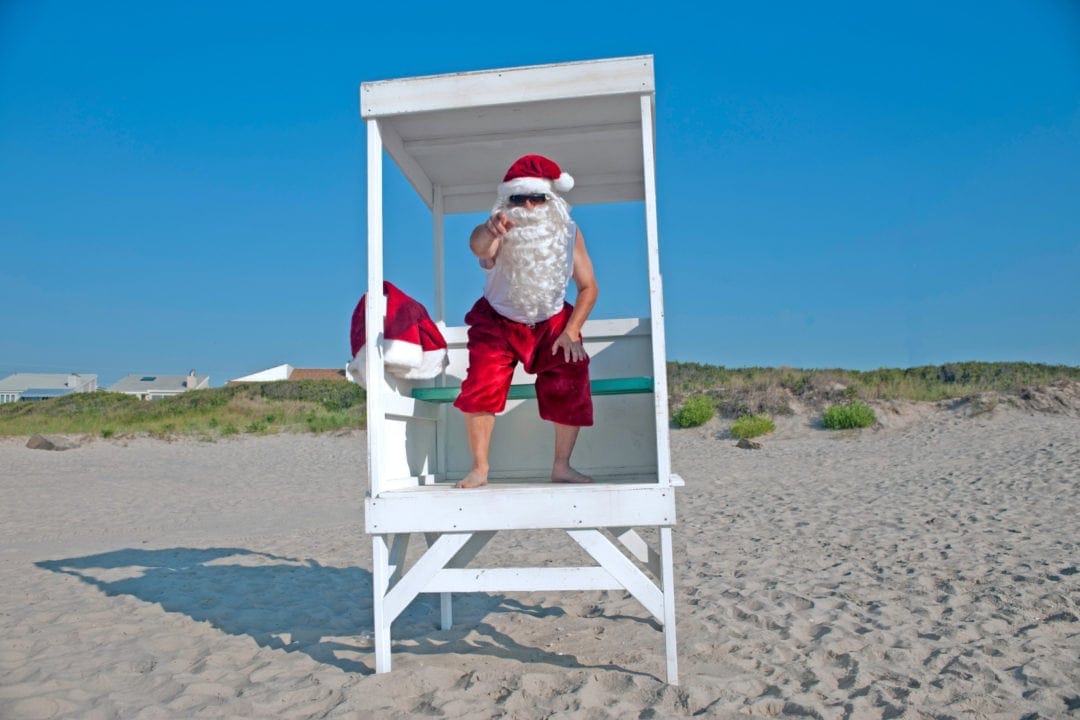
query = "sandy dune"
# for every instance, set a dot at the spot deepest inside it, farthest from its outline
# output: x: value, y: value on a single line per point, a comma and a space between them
x: 929, y: 568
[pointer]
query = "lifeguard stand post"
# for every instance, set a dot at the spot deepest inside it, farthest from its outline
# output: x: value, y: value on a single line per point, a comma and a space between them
x: 453, y: 136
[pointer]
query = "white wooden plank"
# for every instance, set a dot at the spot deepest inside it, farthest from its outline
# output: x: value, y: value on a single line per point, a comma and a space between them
x: 638, y: 548
x: 465, y: 555
x: 602, y: 329
x: 593, y: 78
x: 625, y: 572
x: 485, y: 141
x: 408, y: 165
x: 390, y: 484
x: 446, y: 610
x: 523, y: 579
x: 375, y: 309
x: 380, y: 578
x: 656, y: 296
x: 439, y: 242
x: 438, y: 232
x: 668, y: 581
x: 460, y: 560
x: 446, y: 604
x: 398, y: 550
x: 437, y: 509
x: 621, y: 475
x: 415, y: 581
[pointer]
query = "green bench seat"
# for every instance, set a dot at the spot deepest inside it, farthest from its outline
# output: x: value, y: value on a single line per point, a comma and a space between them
x: 607, y: 386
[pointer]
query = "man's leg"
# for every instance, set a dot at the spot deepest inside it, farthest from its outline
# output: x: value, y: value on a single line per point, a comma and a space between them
x: 478, y: 427
x: 561, y: 472
x: 487, y: 380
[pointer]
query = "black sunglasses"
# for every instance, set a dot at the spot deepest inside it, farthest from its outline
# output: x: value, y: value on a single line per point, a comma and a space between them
x: 522, y: 199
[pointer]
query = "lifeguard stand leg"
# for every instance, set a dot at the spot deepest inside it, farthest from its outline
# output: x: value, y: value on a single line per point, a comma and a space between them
x: 446, y: 603
x: 668, y: 583
x: 380, y: 581
x: 446, y: 610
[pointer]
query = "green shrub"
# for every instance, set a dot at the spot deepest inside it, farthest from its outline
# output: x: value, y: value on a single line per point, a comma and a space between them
x: 257, y: 427
x: 749, y: 426
x: 697, y: 410
x: 331, y: 394
x: 850, y: 415
x: 329, y: 421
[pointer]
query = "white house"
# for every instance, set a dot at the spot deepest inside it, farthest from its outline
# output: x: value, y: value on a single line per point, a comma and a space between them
x: 153, y: 387
x: 41, y: 386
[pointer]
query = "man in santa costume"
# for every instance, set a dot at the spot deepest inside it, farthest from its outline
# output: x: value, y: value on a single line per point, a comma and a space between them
x: 529, y: 249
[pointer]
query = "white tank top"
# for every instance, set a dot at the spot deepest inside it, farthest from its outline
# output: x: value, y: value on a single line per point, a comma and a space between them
x: 497, y: 286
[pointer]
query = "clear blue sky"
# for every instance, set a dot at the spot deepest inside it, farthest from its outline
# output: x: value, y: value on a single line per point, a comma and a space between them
x: 841, y: 184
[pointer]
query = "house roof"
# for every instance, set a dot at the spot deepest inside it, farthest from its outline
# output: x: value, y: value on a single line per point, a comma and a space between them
x: 317, y: 374
x: 155, y: 383
x: 20, y: 382
x: 457, y: 134
x: 288, y: 372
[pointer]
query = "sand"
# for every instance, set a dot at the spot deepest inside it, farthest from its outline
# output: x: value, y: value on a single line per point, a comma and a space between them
x: 929, y: 568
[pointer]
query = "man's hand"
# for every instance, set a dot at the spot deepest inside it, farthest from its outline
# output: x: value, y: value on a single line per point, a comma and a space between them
x: 573, y: 350
x: 498, y: 225
x: 487, y: 237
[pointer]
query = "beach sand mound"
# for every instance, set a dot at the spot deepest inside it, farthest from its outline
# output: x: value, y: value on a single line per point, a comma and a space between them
x: 924, y: 568
x: 51, y: 442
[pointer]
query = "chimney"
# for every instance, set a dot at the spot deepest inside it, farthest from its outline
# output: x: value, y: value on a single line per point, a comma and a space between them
x: 72, y: 381
x: 191, y: 380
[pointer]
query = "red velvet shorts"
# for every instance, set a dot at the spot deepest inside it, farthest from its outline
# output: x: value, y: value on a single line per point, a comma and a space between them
x: 497, y: 344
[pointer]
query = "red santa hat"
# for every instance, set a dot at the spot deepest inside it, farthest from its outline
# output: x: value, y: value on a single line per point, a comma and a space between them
x: 535, y: 174
x: 412, y: 345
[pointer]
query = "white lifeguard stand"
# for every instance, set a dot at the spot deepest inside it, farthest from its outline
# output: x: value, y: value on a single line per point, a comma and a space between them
x: 453, y: 136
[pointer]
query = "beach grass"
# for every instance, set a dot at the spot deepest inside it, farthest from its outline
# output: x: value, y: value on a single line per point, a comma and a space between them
x: 751, y: 426
x: 697, y: 410
x: 330, y: 405
x: 774, y: 391
x: 848, y: 416
x: 250, y: 408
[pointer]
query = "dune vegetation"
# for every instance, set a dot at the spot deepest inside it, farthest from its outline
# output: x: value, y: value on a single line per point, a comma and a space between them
x: 736, y: 392
x: 697, y: 392
x: 258, y: 408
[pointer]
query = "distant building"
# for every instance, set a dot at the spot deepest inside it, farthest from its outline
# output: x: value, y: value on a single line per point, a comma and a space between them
x: 153, y: 387
x: 41, y: 386
x: 288, y: 372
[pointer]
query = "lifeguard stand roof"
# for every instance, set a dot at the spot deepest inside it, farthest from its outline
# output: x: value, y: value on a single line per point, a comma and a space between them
x: 457, y: 134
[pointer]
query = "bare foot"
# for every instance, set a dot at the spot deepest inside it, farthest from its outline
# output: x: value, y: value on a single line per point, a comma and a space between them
x: 474, y: 479
x: 569, y: 475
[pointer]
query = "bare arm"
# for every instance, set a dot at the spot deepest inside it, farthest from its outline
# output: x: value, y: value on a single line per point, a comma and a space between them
x: 487, y: 237
x: 587, y: 293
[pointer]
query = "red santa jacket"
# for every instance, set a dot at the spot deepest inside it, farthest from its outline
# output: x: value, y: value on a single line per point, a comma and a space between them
x: 412, y: 345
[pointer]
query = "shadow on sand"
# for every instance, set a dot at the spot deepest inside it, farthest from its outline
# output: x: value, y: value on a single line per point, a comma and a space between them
x: 299, y: 605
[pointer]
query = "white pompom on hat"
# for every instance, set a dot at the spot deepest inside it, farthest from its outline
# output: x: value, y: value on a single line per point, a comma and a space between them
x: 534, y: 174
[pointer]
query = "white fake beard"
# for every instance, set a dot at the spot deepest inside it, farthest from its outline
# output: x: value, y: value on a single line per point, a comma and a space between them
x: 533, y: 257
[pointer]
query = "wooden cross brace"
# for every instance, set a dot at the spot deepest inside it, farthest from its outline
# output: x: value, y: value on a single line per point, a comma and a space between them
x: 442, y: 568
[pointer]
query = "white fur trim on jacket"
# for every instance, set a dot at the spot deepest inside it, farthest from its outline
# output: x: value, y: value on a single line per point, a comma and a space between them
x: 402, y: 360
